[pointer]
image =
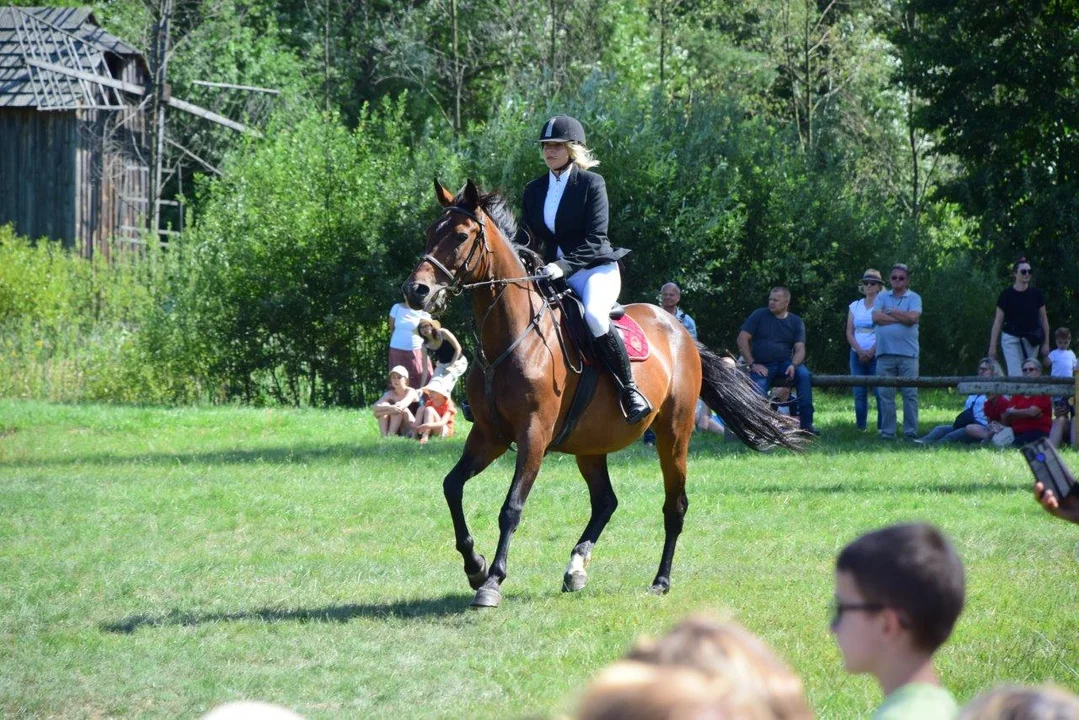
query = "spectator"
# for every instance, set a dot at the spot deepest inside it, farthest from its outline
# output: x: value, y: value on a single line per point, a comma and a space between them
x: 1064, y: 425
x: 1013, y: 702
x: 1021, y: 316
x: 773, y: 342
x: 1029, y: 416
x: 406, y: 345
x: 450, y: 362
x: 701, y: 668
x: 862, y: 338
x: 436, y: 415
x: 392, y: 409
x: 1063, y: 364
x: 898, y: 594
x: 972, y: 424
x: 669, y: 297
x: 897, y: 314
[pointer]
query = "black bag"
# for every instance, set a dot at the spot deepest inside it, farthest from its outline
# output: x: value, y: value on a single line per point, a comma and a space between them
x: 963, y: 419
x: 1035, y: 337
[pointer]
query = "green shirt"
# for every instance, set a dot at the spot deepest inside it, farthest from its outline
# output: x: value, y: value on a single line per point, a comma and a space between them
x: 918, y: 701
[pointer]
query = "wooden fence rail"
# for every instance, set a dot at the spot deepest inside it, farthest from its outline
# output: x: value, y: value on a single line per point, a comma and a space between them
x: 966, y: 385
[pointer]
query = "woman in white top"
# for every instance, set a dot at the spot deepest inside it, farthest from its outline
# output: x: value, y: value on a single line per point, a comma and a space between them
x: 406, y: 345
x: 862, y: 338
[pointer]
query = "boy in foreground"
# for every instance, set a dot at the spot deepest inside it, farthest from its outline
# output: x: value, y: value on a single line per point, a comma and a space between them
x: 898, y: 593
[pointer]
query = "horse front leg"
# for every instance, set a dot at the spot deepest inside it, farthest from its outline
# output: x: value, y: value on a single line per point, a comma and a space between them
x: 478, y: 454
x: 529, y: 457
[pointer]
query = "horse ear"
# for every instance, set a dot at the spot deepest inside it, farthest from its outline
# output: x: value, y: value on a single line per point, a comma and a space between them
x: 472, y: 193
x: 445, y: 197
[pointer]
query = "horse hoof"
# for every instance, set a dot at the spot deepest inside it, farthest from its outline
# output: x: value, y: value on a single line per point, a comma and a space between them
x: 574, y: 581
x: 487, y: 597
x: 478, y: 578
x: 660, y: 588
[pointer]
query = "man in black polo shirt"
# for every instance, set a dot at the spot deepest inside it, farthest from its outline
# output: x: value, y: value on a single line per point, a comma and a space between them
x: 773, y: 344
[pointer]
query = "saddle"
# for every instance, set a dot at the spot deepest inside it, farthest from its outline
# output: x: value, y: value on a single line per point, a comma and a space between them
x: 575, y: 327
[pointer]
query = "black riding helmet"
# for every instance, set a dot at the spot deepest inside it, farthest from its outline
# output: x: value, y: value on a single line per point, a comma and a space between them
x: 562, y: 128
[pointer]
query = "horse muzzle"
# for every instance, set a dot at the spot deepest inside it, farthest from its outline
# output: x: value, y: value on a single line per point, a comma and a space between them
x: 421, y: 296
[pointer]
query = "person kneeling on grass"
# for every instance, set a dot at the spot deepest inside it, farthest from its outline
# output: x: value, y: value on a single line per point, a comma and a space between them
x: 436, y: 415
x: 392, y: 409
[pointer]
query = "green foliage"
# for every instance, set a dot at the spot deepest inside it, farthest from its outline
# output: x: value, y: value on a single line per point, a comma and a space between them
x: 68, y: 326
x: 1001, y: 87
x: 297, y: 257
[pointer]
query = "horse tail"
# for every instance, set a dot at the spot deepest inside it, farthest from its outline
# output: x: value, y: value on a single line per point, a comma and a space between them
x: 745, y: 412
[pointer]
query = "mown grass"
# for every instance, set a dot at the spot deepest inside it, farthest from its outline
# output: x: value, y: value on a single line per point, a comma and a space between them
x: 158, y: 562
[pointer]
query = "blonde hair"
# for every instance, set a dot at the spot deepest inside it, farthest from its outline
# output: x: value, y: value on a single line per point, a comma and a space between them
x: 581, y: 155
x: 730, y: 671
x: 1016, y: 702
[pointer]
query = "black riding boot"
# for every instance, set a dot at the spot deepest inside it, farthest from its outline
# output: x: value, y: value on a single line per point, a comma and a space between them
x: 612, y: 352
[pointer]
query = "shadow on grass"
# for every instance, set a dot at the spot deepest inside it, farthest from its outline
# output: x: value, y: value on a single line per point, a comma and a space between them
x: 447, y: 605
x: 281, y: 455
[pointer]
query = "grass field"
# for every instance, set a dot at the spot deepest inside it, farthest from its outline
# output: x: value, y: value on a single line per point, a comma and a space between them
x: 158, y: 562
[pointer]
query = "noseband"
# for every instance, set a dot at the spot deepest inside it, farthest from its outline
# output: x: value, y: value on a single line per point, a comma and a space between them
x: 456, y: 279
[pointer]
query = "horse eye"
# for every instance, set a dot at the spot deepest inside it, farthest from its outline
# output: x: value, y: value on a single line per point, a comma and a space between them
x: 461, y: 237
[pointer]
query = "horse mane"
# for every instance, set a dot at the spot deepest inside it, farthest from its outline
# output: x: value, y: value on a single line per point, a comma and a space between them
x: 498, y: 210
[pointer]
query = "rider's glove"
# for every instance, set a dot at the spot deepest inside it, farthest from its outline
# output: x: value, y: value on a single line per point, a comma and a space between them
x: 553, y: 271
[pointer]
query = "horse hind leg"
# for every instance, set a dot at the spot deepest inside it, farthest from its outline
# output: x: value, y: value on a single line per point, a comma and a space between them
x: 672, y: 446
x: 604, y: 503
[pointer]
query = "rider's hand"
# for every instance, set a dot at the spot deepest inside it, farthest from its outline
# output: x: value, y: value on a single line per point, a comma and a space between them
x: 553, y: 271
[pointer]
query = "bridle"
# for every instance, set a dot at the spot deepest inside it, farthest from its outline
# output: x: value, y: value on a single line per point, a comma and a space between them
x: 457, y: 283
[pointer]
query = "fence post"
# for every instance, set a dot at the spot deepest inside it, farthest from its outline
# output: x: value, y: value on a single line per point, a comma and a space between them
x: 1075, y: 405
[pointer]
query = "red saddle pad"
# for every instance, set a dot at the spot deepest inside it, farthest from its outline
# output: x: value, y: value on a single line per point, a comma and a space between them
x: 634, y: 338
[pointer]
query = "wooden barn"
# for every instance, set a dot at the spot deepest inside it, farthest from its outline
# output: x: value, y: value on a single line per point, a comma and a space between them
x: 74, y: 146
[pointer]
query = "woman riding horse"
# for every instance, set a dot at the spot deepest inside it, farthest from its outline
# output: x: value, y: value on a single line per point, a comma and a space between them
x: 566, y: 210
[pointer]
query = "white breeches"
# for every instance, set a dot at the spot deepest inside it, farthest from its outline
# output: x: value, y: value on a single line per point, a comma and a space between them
x: 598, y: 289
x: 452, y: 372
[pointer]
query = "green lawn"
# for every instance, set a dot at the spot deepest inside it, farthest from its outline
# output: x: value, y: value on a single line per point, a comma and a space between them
x: 158, y: 562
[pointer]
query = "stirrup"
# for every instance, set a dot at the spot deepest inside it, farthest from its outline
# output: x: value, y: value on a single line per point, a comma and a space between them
x: 643, y: 406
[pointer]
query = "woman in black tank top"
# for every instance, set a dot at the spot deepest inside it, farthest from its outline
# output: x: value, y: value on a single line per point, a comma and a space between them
x: 451, y: 362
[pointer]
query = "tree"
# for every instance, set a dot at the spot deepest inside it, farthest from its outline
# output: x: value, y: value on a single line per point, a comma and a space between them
x: 1001, y: 85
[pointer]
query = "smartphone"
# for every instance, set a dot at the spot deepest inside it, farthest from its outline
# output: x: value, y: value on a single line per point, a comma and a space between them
x: 1048, y: 468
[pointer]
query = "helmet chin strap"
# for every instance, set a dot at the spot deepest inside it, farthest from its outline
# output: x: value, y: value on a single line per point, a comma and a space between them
x: 558, y: 171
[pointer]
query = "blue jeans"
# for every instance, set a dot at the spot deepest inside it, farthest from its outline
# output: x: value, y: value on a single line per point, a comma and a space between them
x: 802, y: 386
x: 861, y: 396
x: 947, y: 433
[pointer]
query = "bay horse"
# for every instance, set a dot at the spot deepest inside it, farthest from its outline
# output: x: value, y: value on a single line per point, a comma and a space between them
x: 523, y: 381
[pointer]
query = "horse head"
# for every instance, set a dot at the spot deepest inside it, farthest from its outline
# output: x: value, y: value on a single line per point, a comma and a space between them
x: 455, y: 250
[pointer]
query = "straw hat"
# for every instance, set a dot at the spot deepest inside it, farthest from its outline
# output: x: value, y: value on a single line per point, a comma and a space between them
x: 871, y: 275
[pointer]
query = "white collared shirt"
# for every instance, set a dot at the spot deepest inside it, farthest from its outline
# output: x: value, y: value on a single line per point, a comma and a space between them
x: 556, y: 186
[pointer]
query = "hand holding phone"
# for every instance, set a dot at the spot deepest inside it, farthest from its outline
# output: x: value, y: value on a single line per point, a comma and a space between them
x: 1049, y: 469
x: 1055, y: 486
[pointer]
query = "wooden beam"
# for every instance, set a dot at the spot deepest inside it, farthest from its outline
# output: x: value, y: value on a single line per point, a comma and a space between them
x: 1005, y: 387
x: 90, y: 77
x: 1052, y: 386
x: 250, y: 88
x: 133, y: 89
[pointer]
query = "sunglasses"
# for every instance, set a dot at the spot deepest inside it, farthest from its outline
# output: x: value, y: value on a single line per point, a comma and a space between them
x: 1030, y: 370
x: 985, y: 368
x: 899, y: 277
x: 838, y: 608
x: 871, y: 282
x: 1025, y: 271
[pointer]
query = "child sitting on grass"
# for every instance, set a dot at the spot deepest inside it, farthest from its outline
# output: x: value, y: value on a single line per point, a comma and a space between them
x: 436, y: 415
x: 898, y: 593
x: 392, y: 409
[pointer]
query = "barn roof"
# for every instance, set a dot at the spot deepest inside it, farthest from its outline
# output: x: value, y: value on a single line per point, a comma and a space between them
x: 60, y: 35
